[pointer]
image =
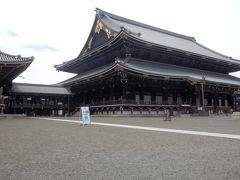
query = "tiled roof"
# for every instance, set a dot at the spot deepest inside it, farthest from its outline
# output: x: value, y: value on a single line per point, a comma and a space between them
x: 159, y: 36
x: 166, y: 70
x: 148, y: 36
x: 39, y: 89
x: 11, y: 59
x: 158, y: 70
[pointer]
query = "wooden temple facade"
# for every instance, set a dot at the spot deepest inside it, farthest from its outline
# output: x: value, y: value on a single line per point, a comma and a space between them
x: 28, y: 99
x: 10, y: 67
x: 39, y: 100
x: 127, y: 67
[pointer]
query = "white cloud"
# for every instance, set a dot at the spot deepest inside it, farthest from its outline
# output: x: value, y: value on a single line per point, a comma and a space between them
x: 11, y: 33
x: 41, y: 47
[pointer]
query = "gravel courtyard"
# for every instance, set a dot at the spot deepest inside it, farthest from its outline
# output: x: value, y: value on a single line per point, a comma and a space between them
x: 41, y: 149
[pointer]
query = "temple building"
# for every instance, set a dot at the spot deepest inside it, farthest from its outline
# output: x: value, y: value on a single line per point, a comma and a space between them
x: 39, y: 99
x: 10, y: 67
x: 127, y: 67
x: 28, y: 99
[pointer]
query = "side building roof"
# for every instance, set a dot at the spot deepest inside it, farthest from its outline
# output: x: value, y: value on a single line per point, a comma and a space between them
x: 14, y: 59
x: 22, y: 88
x: 11, y: 66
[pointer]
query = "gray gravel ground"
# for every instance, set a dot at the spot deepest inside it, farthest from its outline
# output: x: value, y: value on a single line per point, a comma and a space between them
x: 40, y: 149
x: 215, y: 124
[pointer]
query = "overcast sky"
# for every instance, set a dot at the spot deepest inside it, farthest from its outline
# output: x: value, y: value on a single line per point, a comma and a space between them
x: 54, y: 31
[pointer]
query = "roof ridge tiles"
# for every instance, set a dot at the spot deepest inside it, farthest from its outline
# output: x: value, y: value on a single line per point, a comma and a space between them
x: 5, y: 57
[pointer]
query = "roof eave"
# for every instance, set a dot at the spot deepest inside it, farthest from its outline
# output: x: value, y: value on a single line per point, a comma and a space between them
x: 149, y: 44
x: 64, y: 66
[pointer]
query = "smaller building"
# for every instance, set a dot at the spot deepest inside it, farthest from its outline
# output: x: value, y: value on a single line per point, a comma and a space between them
x: 10, y: 67
x: 39, y: 100
x: 29, y: 99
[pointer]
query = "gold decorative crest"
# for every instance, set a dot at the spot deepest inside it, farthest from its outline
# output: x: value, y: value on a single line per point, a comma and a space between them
x: 119, y: 68
x: 98, y: 26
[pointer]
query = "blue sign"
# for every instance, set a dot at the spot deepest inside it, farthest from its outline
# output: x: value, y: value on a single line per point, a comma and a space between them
x: 85, y: 115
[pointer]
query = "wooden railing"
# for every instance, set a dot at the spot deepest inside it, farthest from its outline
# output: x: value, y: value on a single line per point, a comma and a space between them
x: 134, y: 102
x: 43, y: 106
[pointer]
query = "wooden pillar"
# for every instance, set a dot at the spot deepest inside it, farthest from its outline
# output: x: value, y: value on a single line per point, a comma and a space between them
x: 68, y: 110
x: 215, y: 99
x: 170, y: 99
x: 141, y: 94
x: 111, y: 94
x: 123, y: 92
x: 198, y: 100
x: 15, y: 99
x: 123, y: 81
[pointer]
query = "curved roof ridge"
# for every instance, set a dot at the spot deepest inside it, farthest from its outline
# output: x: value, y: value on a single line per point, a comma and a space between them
x: 18, y: 58
x: 113, y: 16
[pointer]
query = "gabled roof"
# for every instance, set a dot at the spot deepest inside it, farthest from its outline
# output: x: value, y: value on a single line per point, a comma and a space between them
x: 157, y: 36
x: 120, y: 30
x: 156, y: 70
x: 11, y: 59
x: 11, y: 66
x: 22, y: 88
